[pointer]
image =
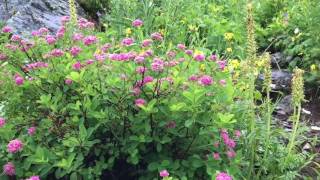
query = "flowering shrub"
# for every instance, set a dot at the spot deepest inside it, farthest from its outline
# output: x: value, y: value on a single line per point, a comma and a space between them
x: 78, y: 104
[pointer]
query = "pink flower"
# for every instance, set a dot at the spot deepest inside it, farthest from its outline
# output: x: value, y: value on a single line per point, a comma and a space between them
x: 89, y: 40
x: 65, y: 19
x: 100, y: 56
x: 75, y: 50
x: 32, y: 131
x: 9, y: 169
x: 105, y: 47
x: 50, y: 39
x: 216, y: 156
x: 14, y: 146
x: 61, y: 31
x: 193, y: 78
x: 146, y: 42
x: 127, y: 42
x: 3, y: 57
x: 157, y: 65
x: 181, y: 46
x: 164, y: 173
x: 18, y: 79
x: 147, y: 79
x: 223, y: 176
x: 171, y: 54
x: 33, y: 178
x: 43, y: 31
x: 77, y: 37
x: 137, y: 23
x: 89, y: 61
x: 141, y: 69
x: 139, y: 102
x: 222, y: 64
x: 68, y: 81
x: 230, y: 143
x: 223, y: 82
x: 199, y: 57
x: 216, y: 144
x: 156, y: 36
x: 57, y: 53
x: 6, y: 29
x: 2, y: 122
x: 139, y: 59
x: 237, y: 133
x: 136, y: 91
x: 205, y: 80
x: 231, y: 154
x: 35, y: 33
x: 15, y: 38
x: 188, y: 52
x: 77, y: 65
x: 213, y: 57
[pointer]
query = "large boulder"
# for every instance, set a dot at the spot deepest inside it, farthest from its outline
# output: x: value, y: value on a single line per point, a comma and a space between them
x: 25, y: 16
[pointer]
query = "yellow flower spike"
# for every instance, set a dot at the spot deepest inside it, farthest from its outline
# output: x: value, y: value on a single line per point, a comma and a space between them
x: 229, y: 50
x: 73, y: 12
x: 313, y: 67
x: 203, y: 68
x: 235, y: 63
x: 128, y: 31
x: 228, y: 36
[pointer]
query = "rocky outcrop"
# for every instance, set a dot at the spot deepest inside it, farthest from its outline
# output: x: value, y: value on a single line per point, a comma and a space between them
x: 25, y: 16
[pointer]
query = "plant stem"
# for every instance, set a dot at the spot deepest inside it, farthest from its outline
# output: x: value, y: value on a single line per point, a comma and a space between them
x: 297, y: 111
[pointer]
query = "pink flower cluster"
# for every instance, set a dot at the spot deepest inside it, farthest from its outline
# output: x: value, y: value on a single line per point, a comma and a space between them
x: 50, y: 39
x: 122, y: 56
x: 36, y: 65
x: 33, y: 178
x: 223, y: 176
x: 3, y: 57
x: 127, y: 41
x: 18, y: 79
x: 32, y: 131
x: 14, y: 146
x: 137, y: 23
x: 2, y: 122
x: 9, y: 169
x: 139, y: 102
x: 85, y: 24
x: 157, y: 65
x: 205, y: 80
x: 89, y: 40
x: 164, y: 173
x: 146, y: 42
x: 6, y: 29
x: 156, y: 36
x: 230, y: 143
x: 75, y: 50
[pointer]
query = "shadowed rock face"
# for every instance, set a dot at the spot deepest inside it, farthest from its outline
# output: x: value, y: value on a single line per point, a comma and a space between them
x: 25, y: 16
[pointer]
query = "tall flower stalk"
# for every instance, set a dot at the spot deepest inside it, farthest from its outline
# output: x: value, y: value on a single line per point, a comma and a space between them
x: 297, y: 98
x: 73, y: 12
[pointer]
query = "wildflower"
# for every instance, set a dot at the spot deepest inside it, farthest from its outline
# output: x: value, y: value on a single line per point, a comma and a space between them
x: 68, y: 81
x: 157, y: 65
x: 193, y: 78
x: 18, y: 79
x: 35, y: 33
x: 43, y: 31
x: 156, y: 36
x: 9, y: 169
x: 146, y: 42
x: 139, y: 102
x: 137, y: 23
x: 237, y: 133
x: 296, y: 30
x: 223, y: 176
x: 139, y: 59
x: 229, y: 50
x: 6, y: 29
x: 73, y: 11
x: 15, y: 38
x: 2, y: 122
x: 89, y: 40
x: 164, y: 173
x: 228, y: 36
x: 105, y: 47
x: 205, y: 80
x: 141, y: 69
x: 77, y: 65
x: 33, y: 178
x: 223, y: 82
x: 231, y: 154
x: 14, y: 146
x: 216, y: 156
x: 75, y: 50
x: 50, y: 39
x: 57, y: 53
x: 89, y: 61
x: 65, y: 19
x: 61, y: 31
x: 181, y: 46
x: 199, y: 56
x: 171, y: 54
x: 313, y: 67
x: 127, y: 42
x: 32, y: 131
x: 136, y: 91
x: 213, y: 57
x: 230, y: 143
x: 297, y: 87
x: 77, y: 37
x: 222, y: 64
x: 3, y: 57
x: 188, y: 52
x: 147, y: 79
x: 235, y: 63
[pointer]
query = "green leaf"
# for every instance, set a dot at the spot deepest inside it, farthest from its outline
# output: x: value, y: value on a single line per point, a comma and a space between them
x: 188, y: 123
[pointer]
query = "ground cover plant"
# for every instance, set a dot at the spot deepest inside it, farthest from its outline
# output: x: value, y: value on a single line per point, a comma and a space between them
x: 140, y: 104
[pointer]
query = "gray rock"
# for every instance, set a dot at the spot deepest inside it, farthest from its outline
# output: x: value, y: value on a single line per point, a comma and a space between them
x: 25, y: 16
x: 279, y: 60
x: 281, y: 80
x: 284, y: 107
